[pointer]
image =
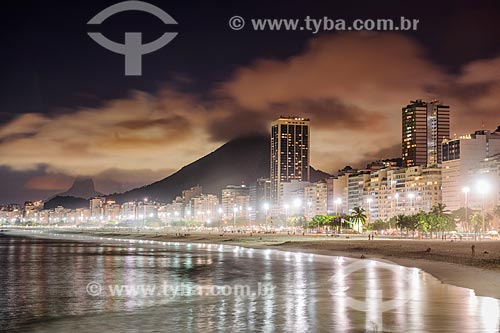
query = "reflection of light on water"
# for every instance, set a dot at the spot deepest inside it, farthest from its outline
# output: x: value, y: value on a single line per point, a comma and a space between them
x: 300, y: 297
x: 374, y: 295
x: 267, y: 254
x: 337, y: 289
x: 489, y: 310
x: 297, y: 289
x: 55, y: 279
x: 414, y: 296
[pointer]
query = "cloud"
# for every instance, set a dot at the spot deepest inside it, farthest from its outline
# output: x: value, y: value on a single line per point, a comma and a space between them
x: 368, y: 70
x: 351, y: 85
x: 49, y: 182
x: 139, y: 132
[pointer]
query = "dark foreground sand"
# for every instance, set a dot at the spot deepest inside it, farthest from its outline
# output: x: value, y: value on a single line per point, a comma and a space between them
x: 450, y: 261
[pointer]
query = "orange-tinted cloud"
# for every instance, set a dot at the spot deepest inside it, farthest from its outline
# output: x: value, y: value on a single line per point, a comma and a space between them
x: 351, y: 85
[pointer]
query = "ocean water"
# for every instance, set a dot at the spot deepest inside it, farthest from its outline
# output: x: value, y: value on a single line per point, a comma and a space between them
x: 100, y: 285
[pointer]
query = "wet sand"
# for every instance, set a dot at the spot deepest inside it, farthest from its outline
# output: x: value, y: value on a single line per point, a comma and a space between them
x: 452, y: 262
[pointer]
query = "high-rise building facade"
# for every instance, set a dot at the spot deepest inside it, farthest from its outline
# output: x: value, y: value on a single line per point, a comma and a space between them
x: 290, y: 154
x: 315, y: 200
x: 461, y: 158
x: 260, y: 198
x: 235, y: 201
x: 424, y: 127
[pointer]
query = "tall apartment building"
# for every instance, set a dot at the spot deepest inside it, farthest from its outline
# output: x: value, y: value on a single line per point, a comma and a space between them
x: 204, y: 208
x: 290, y: 154
x: 487, y: 174
x: 461, y: 156
x: 315, y: 199
x: 357, y: 184
x: 96, y: 206
x: 235, y: 201
x: 392, y: 191
x: 260, y: 198
x: 376, y: 195
x: 424, y: 127
x: 337, y: 191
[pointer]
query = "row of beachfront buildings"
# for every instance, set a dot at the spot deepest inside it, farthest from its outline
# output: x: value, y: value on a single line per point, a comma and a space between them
x: 469, y: 176
x: 434, y: 168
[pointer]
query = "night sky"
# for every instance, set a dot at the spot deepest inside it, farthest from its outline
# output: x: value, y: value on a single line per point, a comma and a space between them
x: 66, y: 109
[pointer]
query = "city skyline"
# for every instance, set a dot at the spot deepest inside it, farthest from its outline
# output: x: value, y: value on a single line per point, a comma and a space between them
x: 292, y: 166
x: 361, y: 166
x: 127, y: 132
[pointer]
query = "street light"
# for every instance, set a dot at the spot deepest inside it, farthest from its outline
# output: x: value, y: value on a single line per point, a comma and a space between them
x: 266, y: 209
x: 286, y: 213
x: 482, y: 187
x: 466, y: 190
x: 338, y: 201
x: 250, y: 217
x: 411, y: 196
x: 369, y: 200
x: 235, y: 209
x: 397, y: 202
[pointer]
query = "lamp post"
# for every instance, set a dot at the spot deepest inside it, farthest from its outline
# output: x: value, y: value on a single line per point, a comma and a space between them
x: 286, y: 214
x: 298, y: 206
x: 466, y: 191
x: 266, y: 209
x: 482, y: 187
x: 369, y: 200
x: 397, y: 202
x: 338, y: 201
x: 411, y: 196
x: 220, y: 211
x: 250, y: 217
x: 234, y: 218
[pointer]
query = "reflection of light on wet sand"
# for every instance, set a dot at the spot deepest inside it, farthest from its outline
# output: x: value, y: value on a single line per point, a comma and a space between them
x: 302, y: 300
x: 340, y: 316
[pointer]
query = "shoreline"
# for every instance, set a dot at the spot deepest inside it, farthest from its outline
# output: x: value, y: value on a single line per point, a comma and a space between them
x: 447, y: 261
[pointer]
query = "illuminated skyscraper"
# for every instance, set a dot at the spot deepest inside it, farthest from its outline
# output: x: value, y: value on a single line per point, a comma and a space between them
x: 290, y: 154
x: 425, y: 126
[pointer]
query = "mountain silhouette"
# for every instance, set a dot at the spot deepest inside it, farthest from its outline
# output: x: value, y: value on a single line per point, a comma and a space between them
x: 76, y: 196
x: 83, y: 187
x: 239, y: 161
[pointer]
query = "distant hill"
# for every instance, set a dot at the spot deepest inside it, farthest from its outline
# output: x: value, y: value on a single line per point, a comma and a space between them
x: 76, y: 196
x: 66, y: 202
x: 239, y: 161
x: 83, y: 187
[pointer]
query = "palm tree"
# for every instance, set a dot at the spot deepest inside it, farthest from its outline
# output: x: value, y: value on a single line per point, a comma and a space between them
x: 401, y: 222
x: 496, y: 211
x: 441, y: 217
x: 358, y: 217
x: 476, y: 221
